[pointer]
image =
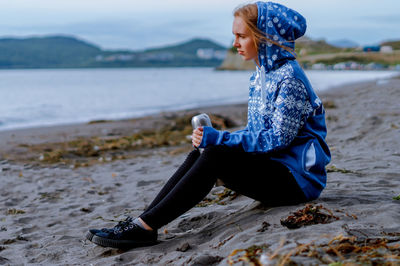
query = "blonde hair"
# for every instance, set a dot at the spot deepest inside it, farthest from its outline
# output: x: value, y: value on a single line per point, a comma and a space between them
x: 249, y: 14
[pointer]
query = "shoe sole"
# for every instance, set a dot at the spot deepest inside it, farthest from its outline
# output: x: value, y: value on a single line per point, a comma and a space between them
x: 120, y: 244
x: 89, y: 236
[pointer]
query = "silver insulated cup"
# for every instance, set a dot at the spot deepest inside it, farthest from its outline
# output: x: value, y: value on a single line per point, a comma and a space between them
x: 201, y: 120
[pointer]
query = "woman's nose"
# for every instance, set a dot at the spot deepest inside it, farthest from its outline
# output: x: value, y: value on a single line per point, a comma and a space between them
x: 235, y: 43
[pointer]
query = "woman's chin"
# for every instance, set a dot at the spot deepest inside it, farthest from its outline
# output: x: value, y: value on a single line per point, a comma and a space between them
x: 247, y: 58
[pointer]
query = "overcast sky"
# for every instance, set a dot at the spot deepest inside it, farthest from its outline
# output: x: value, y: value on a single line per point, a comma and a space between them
x: 132, y: 24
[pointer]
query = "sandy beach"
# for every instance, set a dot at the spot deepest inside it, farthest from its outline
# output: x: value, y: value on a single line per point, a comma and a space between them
x: 57, y: 182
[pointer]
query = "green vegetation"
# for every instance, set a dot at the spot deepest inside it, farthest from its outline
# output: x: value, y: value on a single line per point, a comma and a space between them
x: 312, y: 52
x: 358, y: 57
x: 14, y: 211
x: 187, y: 48
x: 57, y: 51
x: 306, y: 46
x: 332, y: 168
x: 69, y: 52
x: 395, y: 44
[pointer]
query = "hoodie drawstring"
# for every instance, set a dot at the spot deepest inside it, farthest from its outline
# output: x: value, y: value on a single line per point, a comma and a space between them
x: 263, y: 87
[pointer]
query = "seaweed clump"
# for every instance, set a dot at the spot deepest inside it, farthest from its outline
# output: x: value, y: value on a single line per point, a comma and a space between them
x: 219, y: 198
x: 333, y: 168
x: 251, y: 255
x: 338, y: 250
x: 309, y: 215
x: 86, y: 151
x: 342, y: 250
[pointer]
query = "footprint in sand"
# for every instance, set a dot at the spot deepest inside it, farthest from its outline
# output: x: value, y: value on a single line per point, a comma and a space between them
x: 196, y: 221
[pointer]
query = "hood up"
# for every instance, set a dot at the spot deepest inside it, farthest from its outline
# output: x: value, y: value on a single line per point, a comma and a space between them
x: 282, y: 25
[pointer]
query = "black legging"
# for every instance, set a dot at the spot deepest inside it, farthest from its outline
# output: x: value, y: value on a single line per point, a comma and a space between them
x: 250, y: 174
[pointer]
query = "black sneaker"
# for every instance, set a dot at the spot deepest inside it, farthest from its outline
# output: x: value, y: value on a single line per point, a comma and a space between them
x: 126, y: 234
x: 92, y: 232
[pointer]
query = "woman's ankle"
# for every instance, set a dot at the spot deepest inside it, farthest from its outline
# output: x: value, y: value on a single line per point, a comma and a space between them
x: 146, y: 226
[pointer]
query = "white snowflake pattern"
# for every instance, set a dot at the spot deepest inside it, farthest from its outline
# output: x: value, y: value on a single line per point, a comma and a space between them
x: 284, y: 113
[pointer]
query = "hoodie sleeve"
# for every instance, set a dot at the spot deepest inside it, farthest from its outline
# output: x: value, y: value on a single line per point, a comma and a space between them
x: 291, y: 109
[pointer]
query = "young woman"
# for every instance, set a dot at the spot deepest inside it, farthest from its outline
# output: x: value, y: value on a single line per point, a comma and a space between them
x: 279, y: 158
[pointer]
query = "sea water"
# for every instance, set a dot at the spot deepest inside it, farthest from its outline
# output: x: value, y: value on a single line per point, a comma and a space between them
x: 42, y: 97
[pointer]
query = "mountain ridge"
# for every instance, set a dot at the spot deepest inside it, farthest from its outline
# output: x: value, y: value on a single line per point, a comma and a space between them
x: 62, y: 51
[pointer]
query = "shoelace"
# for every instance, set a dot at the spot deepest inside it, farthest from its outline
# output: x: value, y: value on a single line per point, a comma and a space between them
x: 125, y: 225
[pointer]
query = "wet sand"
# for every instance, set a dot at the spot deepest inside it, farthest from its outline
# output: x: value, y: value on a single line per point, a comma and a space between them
x: 46, y: 208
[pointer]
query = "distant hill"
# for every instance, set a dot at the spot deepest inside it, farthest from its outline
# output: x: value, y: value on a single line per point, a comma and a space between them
x: 179, y: 55
x: 39, y: 52
x: 307, y: 46
x: 189, y: 47
x: 395, y: 44
x: 304, y: 48
x: 70, y: 52
x: 343, y: 43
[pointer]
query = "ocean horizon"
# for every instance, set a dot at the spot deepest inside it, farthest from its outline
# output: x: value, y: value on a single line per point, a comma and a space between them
x: 47, y: 97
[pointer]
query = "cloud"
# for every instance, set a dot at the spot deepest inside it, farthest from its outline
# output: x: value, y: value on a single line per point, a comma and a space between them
x: 131, y: 24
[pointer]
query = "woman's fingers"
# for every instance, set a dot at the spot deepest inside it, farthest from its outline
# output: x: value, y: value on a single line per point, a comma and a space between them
x: 196, y: 142
x: 198, y: 132
x: 197, y: 136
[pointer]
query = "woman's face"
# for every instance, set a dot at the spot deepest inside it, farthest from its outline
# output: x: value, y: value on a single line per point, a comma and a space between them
x: 244, y: 40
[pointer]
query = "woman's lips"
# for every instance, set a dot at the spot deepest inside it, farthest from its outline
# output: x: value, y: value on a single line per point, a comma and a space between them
x: 240, y: 52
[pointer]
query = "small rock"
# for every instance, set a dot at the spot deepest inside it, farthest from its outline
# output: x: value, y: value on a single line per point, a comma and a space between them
x: 185, y: 247
x: 87, y: 210
x: 206, y: 259
x: 264, y: 227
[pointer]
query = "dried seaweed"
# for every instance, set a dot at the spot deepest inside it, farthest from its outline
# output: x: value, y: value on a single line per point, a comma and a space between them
x: 90, y: 150
x: 14, y: 211
x: 338, y: 250
x: 350, y: 250
x: 251, y: 255
x: 333, y: 168
x: 309, y: 215
x: 264, y: 227
x: 219, y: 199
x: 221, y: 243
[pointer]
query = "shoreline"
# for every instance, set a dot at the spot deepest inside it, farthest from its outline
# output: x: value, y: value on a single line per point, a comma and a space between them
x: 156, y: 114
x: 337, y: 79
x: 49, y: 207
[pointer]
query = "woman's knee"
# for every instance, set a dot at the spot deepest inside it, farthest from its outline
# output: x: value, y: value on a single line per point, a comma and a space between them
x: 219, y: 150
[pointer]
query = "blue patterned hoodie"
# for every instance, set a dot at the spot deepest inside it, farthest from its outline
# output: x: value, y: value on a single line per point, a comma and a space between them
x: 286, y: 118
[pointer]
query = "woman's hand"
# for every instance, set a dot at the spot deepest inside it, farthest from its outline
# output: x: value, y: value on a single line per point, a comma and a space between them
x: 197, y: 136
